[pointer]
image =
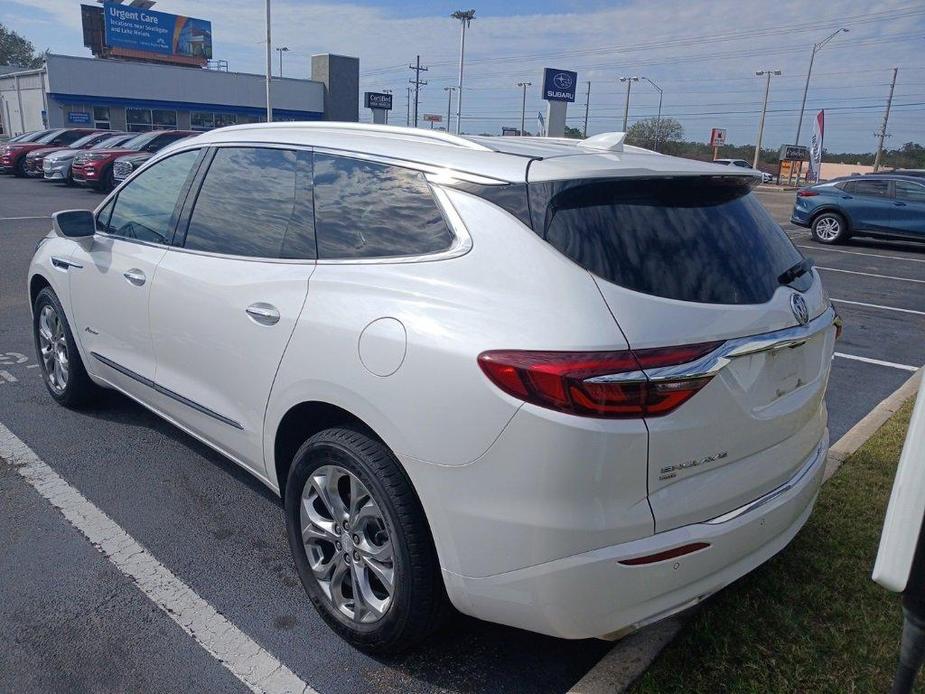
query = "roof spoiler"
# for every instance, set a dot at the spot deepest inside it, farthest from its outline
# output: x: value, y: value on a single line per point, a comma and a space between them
x: 604, y: 142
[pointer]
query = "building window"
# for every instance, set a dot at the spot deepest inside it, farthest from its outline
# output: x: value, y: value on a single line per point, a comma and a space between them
x: 101, y: 118
x: 138, y: 120
x: 250, y: 119
x: 164, y: 120
x: 201, y: 120
x: 223, y: 119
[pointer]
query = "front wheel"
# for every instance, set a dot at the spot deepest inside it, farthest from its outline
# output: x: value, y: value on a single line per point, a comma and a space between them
x: 62, y: 369
x: 830, y: 227
x: 361, y: 542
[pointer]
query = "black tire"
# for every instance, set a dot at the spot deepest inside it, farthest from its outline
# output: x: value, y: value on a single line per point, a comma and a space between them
x: 69, y: 179
x: 419, y: 604
x: 78, y: 389
x: 107, y: 182
x: 825, y: 224
x: 19, y: 168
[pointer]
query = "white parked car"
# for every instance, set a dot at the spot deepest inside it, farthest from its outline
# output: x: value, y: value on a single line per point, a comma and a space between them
x: 572, y: 387
x: 742, y: 164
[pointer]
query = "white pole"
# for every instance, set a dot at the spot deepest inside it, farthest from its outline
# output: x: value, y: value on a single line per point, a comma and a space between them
x: 269, y: 66
x: 462, y: 56
x: 764, y: 110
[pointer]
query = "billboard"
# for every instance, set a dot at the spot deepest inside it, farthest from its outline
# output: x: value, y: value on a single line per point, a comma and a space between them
x: 378, y: 100
x: 559, y: 85
x: 793, y: 153
x: 135, y: 29
x: 717, y: 137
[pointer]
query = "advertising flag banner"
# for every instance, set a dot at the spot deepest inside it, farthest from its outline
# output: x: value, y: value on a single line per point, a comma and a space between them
x: 815, y: 147
x: 541, y: 124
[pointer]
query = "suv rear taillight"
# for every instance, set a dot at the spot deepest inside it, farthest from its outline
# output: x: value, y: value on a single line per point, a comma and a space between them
x: 609, y: 385
x: 807, y: 193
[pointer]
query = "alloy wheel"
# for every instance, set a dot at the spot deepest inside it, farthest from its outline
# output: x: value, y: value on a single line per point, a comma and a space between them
x: 828, y: 228
x: 347, y: 544
x: 53, y: 347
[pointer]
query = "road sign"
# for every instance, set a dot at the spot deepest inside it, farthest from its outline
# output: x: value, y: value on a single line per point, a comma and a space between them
x: 433, y: 117
x: 717, y: 137
x: 379, y: 100
x: 559, y: 85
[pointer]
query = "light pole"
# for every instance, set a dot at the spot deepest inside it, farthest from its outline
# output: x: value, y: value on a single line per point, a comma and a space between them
x: 587, y: 107
x: 658, y: 118
x: 523, y: 106
x: 764, y: 109
x: 269, y: 66
x: 464, y: 17
x: 386, y: 91
x: 626, y: 109
x: 449, y: 104
x: 812, y: 57
x: 281, y: 50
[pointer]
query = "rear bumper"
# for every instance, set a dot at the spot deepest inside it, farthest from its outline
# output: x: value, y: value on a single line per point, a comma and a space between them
x: 593, y: 595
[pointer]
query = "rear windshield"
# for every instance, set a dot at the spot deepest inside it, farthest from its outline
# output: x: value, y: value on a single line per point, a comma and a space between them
x: 693, y: 239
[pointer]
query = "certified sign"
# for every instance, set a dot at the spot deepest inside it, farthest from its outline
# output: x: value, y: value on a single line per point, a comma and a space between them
x: 559, y: 85
x: 378, y: 100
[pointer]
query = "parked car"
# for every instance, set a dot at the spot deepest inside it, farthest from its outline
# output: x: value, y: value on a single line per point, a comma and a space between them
x: 123, y: 167
x: 57, y: 166
x: 13, y: 156
x: 36, y: 158
x: 94, y: 168
x: 24, y: 137
x: 742, y: 164
x: 576, y: 416
x: 919, y: 173
x: 883, y: 205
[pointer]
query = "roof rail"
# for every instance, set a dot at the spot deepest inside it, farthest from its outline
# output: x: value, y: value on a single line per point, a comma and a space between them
x: 434, y: 136
x: 604, y: 142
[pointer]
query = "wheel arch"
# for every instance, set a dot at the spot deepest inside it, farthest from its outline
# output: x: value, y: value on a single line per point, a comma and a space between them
x: 37, y: 282
x: 831, y: 208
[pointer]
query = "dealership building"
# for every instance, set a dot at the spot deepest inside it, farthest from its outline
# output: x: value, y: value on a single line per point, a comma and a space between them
x: 139, y: 90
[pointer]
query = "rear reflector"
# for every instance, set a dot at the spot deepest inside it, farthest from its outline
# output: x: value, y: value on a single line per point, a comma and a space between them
x: 807, y: 193
x: 667, y: 554
x: 597, y: 384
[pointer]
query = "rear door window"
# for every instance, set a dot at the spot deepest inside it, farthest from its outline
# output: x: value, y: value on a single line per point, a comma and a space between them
x: 910, y: 192
x: 255, y: 202
x: 368, y: 210
x: 700, y: 240
x: 872, y: 189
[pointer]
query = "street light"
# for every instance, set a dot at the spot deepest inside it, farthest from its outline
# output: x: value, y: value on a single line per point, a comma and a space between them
x: 281, y: 50
x: 386, y: 91
x: 658, y: 118
x: 523, y: 108
x: 812, y: 57
x: 449, y: 104
x: 269, y: 65
x: 764, y: 109
x: 464, y: 17
x: 626, y: 110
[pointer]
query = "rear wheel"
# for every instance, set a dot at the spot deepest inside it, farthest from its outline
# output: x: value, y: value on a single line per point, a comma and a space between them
x: 107, y: 182
x: 19, y: 168
x: 829, y: 227
x: 62, y: 369
x: 361, y: 543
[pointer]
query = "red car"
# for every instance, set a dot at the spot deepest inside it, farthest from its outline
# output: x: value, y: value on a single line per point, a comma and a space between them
x: 36, y: 157
x: 13, y: 156
x: 94, y: 167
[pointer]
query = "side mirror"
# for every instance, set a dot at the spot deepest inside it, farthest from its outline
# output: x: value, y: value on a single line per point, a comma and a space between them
x: 74, y: 223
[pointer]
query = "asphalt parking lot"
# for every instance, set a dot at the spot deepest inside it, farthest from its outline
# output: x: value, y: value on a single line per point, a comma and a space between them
x: 70, y: 621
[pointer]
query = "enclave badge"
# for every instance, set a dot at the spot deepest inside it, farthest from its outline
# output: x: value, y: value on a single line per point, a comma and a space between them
x: 800, y: 311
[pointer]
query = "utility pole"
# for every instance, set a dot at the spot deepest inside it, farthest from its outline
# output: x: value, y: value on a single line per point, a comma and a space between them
x: 449, y: 104
x: 626, y: 109
x: 418, y: 83
x: 816, y: 47
x: 886, y: 118
x: 281, y: 50
x: 764, y: 110
x: 658, y: 118
x: 465, y: 17
x: 587, y: 105
x: 269, y: 66
x: 408, y: 108
x: 386, y: 91
x: 523, y: 107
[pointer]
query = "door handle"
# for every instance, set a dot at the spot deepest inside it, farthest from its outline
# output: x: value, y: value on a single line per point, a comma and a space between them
x: 135, y: 276
x: 265, y: 314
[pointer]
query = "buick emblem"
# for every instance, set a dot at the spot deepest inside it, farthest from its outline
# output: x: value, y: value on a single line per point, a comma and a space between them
x: 562, y: 80
x: 798, y: 306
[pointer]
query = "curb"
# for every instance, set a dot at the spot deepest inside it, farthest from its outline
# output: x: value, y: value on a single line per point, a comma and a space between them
x: 631, y: 657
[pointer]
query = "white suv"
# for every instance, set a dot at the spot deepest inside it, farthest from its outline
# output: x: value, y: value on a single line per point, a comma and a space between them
x: 572, y: 387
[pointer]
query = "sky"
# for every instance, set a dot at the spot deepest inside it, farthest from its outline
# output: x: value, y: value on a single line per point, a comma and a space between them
x: 702, y: 53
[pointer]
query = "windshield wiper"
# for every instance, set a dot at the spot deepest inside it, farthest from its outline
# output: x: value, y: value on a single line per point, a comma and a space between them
x: 792, y: 273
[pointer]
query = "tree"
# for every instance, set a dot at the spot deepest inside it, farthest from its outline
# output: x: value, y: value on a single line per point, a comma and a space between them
x: 17, y: 51
x: 573, y: 133
x: 649, y: 131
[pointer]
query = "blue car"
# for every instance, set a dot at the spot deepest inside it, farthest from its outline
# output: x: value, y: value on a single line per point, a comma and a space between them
x: 884, y: 205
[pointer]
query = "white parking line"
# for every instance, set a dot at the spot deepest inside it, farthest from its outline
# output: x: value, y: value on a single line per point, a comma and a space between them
x: 869, y: 255
x: 878, y: 306
x: 870, y: 274
x: 878, y: 362
x: 259, y: 670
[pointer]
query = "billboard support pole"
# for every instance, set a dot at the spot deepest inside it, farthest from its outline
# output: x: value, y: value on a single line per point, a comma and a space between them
x: 269, y: 66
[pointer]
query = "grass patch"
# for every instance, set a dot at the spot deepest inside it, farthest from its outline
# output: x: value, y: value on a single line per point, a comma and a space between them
x: 811, y: 619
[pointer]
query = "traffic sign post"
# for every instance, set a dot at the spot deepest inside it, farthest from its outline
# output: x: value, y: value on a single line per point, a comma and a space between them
x: 433, y: 118
x: 717, y: 140
x: 380, y: 103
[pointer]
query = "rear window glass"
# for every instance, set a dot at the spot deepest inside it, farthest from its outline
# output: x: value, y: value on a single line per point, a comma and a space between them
x: 708, y: 241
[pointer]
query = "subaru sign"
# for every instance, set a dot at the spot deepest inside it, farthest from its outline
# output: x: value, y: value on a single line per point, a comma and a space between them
x: 559, y: 85
x: 135, y: 29
x: 378, y: 100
